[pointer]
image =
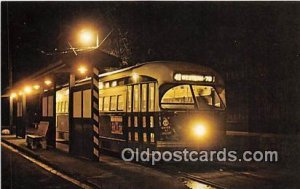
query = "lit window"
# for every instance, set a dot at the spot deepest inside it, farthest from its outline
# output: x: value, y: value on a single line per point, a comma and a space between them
x: 129, y: 97
x: 178, y: 97
x: 120, y: 102
x: 136, y: 98
x: 145, y: 137
x: 151, y: 121
x: 101, y: 104
x: 113, y: 103
x: 106, y: 103
x: 129, y: 135
x: 144, y: 98
x: 129, y: 121
x: 135, y: 121
x: 152, y: 139
x: 101, y: 85
x: 107, y: 85
x: 136, y: 136
x: 151, y: 97
x: 114, y: 83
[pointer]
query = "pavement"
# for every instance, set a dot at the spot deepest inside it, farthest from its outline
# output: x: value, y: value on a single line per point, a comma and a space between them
x: 18, y: 173
x: 109, y: 173
x: 113, y: 173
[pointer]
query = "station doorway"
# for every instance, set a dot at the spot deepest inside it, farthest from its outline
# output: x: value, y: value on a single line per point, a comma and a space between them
x: 62, y: 120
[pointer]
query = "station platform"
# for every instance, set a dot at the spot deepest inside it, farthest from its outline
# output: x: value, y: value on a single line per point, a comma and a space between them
x: 113, y: 173
x: 109, y: 173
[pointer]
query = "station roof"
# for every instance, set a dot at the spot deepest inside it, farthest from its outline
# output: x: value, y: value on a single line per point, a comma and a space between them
x: 61, y: 63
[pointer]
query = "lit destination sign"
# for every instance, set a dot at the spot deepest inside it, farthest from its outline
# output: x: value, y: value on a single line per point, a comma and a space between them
x: 194, y: 77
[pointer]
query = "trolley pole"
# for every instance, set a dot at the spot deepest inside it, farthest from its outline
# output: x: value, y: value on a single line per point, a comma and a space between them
x: 95, y: 113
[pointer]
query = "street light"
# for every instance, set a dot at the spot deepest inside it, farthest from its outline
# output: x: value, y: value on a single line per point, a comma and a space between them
x: 82, y: 70
x: 87, y: 37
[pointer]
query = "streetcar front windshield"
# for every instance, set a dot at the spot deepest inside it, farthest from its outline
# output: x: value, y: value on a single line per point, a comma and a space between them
x: 192, y: 97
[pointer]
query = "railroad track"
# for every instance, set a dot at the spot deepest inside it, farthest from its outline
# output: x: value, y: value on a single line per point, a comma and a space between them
x: 209, y: 184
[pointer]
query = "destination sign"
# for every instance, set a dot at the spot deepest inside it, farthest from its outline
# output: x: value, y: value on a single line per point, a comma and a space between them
x: 194, y: 77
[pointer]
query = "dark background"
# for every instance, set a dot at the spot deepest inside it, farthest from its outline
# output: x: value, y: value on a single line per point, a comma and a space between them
x: 254, y: 45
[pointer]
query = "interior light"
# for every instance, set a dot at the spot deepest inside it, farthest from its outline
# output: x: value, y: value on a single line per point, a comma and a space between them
x: 36, y: 87
x: 13, y: 95
x: 47, y: 82
x: 27, y: 89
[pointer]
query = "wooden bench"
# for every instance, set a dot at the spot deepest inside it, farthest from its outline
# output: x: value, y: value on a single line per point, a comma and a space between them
x: 38, y: 139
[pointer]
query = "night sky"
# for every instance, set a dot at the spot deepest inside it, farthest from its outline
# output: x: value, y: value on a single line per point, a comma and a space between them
x: 263, y: 35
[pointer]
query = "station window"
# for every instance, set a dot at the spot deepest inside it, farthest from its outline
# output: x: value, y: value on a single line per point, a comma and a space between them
x: 145, y: 137
x: 136, y: 136
x: 136, y: 98
x: 151, y: 96
x: 144, y: 121
x: 44, y: 112
x: 113, y: 103
x: 50, y: 105
x: 101, y: 104
x: 120, y: 103
x: 135, y: 121
x: 129, y: 99
x: 152, y: 139
x: 151, y: 121
x: 77, y: 106
x: 144, y: 98
x: 129, y: 136
x: 106, y: 103
x: 129, y: 121
x: 87, y: 104
x: 47, y: 109
x: 19, y: 109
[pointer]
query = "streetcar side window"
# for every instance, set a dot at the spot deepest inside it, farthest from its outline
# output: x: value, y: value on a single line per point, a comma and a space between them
x: 101, y: 103
x: 106, y: 103
x: 120, y: 103
x: 129, y: 99
x: 151, y: 97
x: 136, y: 98
x: 113, y: 103
x: 144, y: 98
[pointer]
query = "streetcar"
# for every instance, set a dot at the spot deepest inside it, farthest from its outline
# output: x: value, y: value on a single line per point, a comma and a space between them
x: 161, y: 105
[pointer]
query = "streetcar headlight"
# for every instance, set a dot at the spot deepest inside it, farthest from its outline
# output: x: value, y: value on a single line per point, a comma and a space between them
x: 199, y: 130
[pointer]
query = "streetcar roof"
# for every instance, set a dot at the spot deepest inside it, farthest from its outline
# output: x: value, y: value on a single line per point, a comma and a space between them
x: 162, y: 71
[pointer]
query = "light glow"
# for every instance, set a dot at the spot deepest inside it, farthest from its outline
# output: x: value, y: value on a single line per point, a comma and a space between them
x: 36, y: 87
x: 199, y: 130
x: 135, y: 77
x: 20, y: 93
x: 82, y: 70
x: 27, y: 89
x: 13, y: 95
x: 86, y: 37
x: 47, y: 82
